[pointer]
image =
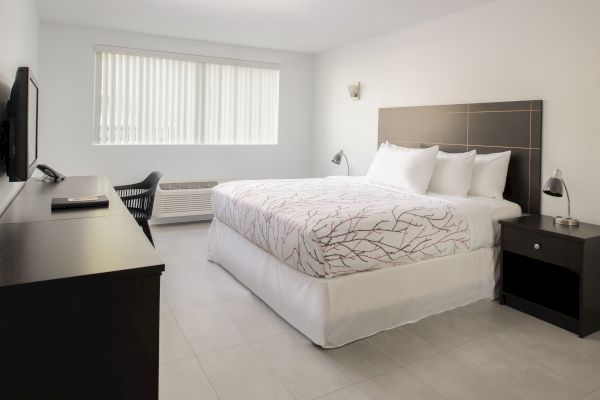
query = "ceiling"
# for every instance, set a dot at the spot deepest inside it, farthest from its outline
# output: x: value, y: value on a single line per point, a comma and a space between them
x: 310, y: 26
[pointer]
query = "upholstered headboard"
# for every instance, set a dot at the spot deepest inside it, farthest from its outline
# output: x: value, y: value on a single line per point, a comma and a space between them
x: 485, y: 127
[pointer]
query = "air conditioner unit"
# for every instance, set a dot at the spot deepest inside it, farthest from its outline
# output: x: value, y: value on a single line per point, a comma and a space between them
x: 183, y: 199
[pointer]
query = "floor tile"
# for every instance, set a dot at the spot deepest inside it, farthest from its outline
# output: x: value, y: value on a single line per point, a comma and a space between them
x: 511, y: 365
x: 502, y: 314
x: 360, y: 360
x: 483, y: 317
x: 239, y: 373
x: 561, y: 353
x: 181, y: 292
x: 398, y: 384
x: 593, y: 396
x: 401, y: 346
x: 175, y: 265
x: 349, y: 393
x: 182, y: 243
x: 184, y: 380
x: 173, y: 344
x: 456, y: 381
x: 593, y: 338
x: 301, y: 366
x: 200, y: 257
x: 536, y: 331
x: 217, y: 283
x: 164, y: 307
x: 207, y: 329
x: 172, y: 246
x: 254, y: 318
x: 201, y: 285
x: 440, y: 334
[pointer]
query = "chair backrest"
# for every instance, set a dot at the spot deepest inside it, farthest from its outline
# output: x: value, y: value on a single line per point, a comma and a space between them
x: 151, y: 182
x: 139, y: 197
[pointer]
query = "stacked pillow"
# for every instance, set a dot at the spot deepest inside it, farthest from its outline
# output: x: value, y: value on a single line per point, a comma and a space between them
x: 452, y: 173
x: 403, y: 168
x: 489, y: 175
x: 456, y: 174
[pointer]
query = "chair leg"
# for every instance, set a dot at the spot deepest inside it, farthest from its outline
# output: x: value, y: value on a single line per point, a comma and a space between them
x: 146, y: 229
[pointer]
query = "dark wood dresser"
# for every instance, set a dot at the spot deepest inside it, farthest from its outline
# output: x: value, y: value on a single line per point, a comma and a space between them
x: 552, y: 272
x: 79, y: 298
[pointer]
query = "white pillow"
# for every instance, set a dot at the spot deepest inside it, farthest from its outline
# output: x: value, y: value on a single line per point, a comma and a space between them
x: 489, y: 175
x: 452, y: 173
x: 403, y: 168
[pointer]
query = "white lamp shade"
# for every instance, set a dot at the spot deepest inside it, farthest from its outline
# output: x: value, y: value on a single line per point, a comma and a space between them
x: 354, y: 90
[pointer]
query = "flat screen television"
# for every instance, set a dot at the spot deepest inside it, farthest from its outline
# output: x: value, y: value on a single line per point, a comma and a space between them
x: 20, y: 129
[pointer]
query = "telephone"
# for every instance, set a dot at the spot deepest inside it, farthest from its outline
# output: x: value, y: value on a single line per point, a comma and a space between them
x: 50, y: 172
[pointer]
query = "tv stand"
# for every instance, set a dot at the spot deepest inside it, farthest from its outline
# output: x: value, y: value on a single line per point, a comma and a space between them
x: 79, y: 298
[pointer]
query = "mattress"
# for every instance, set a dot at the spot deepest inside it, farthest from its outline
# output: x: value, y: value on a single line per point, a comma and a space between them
x: 340, y: 225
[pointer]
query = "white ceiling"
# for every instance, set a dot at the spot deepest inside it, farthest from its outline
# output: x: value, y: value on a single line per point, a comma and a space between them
x: 297, y: 25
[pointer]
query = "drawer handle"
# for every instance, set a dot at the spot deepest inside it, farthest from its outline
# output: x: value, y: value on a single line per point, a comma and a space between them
x: 537, y: 246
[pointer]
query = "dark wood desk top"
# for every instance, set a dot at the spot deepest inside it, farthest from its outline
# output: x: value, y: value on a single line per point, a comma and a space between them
x: 39, y: 245
x: 544, y: 223
x: 33, y: 203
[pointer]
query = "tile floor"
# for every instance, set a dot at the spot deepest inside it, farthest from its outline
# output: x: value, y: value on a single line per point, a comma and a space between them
x: 218, y: 341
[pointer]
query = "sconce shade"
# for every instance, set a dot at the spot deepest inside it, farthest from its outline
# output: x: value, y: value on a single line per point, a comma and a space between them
x: 354, y: 90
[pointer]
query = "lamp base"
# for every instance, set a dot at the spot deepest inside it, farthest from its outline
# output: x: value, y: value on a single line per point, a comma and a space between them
x: 566, y: 221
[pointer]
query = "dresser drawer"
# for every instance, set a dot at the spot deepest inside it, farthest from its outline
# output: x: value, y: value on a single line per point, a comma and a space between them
x: 565, y: 253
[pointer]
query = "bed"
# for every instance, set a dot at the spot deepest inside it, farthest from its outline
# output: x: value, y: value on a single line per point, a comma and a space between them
x: 341, y: 258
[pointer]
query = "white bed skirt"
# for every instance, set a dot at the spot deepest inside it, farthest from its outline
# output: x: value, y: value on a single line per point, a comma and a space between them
x: 337, y: 311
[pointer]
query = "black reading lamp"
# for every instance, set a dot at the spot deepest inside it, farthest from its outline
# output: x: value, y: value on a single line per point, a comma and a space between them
x: 337, y: 159
x: 554, y: 187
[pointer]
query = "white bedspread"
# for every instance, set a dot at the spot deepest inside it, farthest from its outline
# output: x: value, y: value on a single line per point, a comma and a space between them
x: 335, y: 226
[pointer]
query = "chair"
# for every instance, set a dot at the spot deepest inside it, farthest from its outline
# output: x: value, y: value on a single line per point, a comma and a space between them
x: 139, y: 200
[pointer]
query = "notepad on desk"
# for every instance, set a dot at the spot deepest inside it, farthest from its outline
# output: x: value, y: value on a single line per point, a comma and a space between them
x: 62, y: 203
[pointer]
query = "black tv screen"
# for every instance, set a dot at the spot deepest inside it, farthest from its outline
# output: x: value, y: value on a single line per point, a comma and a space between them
x: 21, y: 136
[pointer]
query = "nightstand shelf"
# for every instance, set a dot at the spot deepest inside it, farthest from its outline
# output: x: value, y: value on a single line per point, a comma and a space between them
x: 552, y: 272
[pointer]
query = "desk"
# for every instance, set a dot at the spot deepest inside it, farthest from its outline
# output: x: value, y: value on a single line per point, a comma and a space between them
x: 79, y: 298
x: 33, y: 203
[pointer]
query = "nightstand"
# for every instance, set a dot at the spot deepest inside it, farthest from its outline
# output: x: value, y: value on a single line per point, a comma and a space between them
x: 552, y: 272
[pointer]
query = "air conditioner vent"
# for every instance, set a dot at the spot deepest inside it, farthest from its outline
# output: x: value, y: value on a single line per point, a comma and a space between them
x: 188, y: 185
x: 184, y: 199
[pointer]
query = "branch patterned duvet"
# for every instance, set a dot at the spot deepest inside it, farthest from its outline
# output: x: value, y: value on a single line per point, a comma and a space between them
x: 335, y: 226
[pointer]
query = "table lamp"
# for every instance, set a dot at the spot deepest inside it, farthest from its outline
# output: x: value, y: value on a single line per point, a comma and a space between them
x: 554, y: 187
x: 337, y: 159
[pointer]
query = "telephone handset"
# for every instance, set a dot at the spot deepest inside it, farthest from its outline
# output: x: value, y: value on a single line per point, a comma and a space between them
x: 51, y: 172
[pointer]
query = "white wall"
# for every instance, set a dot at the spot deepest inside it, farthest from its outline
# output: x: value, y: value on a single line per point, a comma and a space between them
x: 505, y: 50
x: 66, y: 113
x: 19, y: 31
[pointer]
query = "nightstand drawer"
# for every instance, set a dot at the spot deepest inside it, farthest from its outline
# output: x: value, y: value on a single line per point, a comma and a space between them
x: 565, y: 253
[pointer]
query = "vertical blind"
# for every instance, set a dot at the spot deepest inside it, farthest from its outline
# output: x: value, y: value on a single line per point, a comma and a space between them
x: 153, y: 98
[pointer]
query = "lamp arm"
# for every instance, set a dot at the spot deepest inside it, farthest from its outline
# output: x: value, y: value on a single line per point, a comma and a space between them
x: 568, y: 198
x: 347, y: 165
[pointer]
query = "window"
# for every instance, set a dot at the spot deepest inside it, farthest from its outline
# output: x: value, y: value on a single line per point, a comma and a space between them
x: 145, y: 97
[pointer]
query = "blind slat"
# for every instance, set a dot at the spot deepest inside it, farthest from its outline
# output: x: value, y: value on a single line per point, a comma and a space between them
x: 154, y: 100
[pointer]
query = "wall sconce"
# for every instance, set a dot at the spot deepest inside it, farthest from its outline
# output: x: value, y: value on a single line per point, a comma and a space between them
x: 354, y: 90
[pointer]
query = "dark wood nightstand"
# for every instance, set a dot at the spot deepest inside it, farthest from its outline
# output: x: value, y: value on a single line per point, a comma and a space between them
x: 552, y: 272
